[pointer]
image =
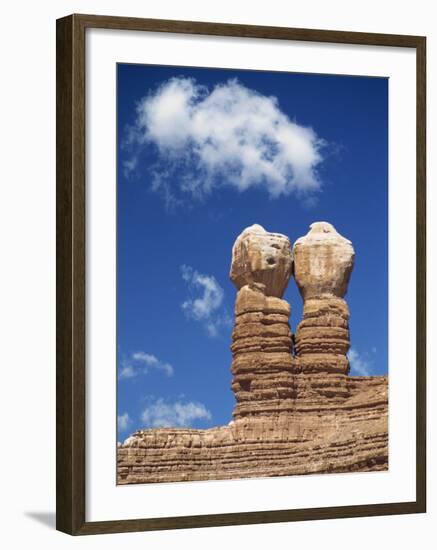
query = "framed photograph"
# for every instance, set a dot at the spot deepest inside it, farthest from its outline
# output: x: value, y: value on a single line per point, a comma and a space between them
x: 240, y: 274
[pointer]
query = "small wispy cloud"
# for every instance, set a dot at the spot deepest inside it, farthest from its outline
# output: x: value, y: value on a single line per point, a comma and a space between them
x: 211, y: 294
x: 359, y: 363
x: 229, y: 135
x: 129, y: 166
x: 126, y: 370
x: 206, y: 307
x: 163, y: 414
x: 152, y: 361
x: 213, y: 327
x: 123, y: 422
x: 140, y: 363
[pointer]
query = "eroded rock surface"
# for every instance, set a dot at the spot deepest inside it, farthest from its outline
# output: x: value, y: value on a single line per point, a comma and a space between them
x: 297, y: 410
x: 262, y: 341
x: 337, y: 426
x: 323, y: 266
x: 323, y: 262
x: 262, y: 258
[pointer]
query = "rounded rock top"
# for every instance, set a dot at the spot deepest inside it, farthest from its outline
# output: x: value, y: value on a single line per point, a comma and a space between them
x: 323, y: 261
x: 322, y: 231
x: 262, y: 258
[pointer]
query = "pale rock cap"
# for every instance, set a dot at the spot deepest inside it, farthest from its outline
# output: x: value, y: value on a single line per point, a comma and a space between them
x: 323, y: 262
x: 263, y: 259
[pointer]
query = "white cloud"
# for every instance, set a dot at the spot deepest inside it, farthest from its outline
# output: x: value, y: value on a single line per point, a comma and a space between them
x: 230, y: 135
x: 360, y: 366
x: 152, y: 361
x: 212, y: 329
x: 140, y: 362
x: 211, y: 298
x: 127, y: 370
x: 129, y: 165
x: 219, y: 321
x: 123, y: 421
x: 206, y: 307
x: 160, y: 414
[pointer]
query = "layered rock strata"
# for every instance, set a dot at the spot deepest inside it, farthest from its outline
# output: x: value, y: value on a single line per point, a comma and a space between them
x: 326, y: 433
x: 297, y: 411
x: 262, y: 363
x: 323, y: 265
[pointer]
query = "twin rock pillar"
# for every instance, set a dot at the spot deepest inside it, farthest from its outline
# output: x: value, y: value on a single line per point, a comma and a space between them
x: 264, y: 362
x: 323, y: 265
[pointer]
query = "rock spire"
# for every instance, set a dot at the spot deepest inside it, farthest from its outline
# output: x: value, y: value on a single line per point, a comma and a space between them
x: 323, y: 262
x: 261, y: 341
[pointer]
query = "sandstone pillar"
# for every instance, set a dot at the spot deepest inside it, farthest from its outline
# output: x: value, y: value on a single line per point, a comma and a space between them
x: 286, y: 423
x: 323, y: 262
x: 262, y: 342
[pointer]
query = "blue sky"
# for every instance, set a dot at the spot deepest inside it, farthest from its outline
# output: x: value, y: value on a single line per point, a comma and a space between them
x: 202, y: 154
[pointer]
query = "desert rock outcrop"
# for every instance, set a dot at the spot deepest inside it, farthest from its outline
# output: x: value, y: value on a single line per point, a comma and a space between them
x: 297, y: 410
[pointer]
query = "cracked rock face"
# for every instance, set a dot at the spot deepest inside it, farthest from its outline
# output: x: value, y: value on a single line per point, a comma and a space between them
x: 262, y: 258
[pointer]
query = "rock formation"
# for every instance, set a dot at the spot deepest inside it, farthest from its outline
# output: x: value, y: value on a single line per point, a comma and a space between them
x: 323, y: 265
x: 297, y: 411
x: 262, y: 342
x: 262, y: 259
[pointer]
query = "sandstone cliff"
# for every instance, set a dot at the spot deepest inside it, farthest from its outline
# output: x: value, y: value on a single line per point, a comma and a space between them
x: 297, y: 410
